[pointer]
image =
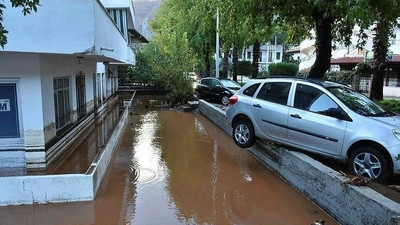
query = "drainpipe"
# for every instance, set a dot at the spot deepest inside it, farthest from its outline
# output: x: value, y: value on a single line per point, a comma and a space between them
x: 95, y: 97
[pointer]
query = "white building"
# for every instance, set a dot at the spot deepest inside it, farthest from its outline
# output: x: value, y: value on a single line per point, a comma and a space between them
x: 59, y: 67
x: 348, y: 53
x: 270, y: 53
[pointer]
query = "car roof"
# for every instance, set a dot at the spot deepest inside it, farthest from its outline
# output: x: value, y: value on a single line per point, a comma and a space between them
x: 319, y: 82
x: 219, y: 78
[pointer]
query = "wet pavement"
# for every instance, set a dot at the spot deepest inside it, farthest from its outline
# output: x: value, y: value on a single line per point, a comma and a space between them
x: 178, y: 168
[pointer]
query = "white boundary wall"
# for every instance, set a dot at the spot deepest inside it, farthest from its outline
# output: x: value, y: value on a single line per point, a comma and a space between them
x: 24, y: 190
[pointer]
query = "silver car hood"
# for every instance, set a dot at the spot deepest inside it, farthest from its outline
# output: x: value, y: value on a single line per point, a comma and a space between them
x: 391, y: 121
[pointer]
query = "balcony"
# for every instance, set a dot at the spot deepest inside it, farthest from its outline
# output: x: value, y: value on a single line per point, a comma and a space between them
x: 67, y: 27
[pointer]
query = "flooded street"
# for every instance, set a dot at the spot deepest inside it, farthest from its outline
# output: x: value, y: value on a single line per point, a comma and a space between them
x: 178, y: 168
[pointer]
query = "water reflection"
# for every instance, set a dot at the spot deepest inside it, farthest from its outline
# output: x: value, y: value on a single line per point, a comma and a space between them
x: 82, y: 152
x: 179, y: 168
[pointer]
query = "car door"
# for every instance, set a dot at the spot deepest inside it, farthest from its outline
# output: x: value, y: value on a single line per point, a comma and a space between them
x: 203, y: 88
x: 311, y: 124
x: 270, y: 109
x: 215, y: 89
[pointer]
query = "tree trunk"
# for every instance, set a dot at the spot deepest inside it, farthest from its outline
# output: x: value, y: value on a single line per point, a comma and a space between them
x: 380, y: 47
x: 207, y: 71
x: 256, y: 58
x: 225, y: 65
x: 235, y: 60
x: 323, y: 44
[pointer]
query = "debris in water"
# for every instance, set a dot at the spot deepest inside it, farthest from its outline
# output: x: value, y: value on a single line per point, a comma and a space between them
x: 357, y: 180
x: 394, y: 187
x: 319, y: 222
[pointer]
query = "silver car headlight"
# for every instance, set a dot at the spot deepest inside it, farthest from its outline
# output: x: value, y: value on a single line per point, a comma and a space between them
x: 396, y: 133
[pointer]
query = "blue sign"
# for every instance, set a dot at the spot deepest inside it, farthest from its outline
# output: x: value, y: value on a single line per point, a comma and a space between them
x: 9, y: 124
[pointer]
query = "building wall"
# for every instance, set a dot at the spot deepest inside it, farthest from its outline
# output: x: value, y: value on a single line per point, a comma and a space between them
x: 58, y: 26
x: 109, y: 41
x: 24, y: 70
x: 64, y: 66
x: 265, y: 57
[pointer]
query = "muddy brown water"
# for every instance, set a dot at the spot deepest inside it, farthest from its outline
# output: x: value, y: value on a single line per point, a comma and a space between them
x: 179, y: 168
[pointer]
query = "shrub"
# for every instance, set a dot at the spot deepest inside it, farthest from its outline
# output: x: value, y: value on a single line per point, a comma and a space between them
x: 364, y: 68
x: 244, y: 68
x: 283, y: 69
x: 344, y: 77
x: 390, y: 104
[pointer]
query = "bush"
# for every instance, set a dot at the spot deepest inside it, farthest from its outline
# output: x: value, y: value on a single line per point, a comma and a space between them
x: 244, y: 68
x: 364, y: 68
x: 390, y: 104
x: 283, y: 69
x: 344, y: 77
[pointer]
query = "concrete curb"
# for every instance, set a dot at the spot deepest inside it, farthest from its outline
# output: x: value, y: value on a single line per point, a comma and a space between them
x: 349, y: 205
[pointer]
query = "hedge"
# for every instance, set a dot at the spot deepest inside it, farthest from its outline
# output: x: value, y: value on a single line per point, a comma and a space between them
x: 283, y: 69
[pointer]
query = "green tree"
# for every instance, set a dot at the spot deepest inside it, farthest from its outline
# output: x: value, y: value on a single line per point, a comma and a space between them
x: 27, y: 7
x: 196, y: 19
x: 383, y: 16
x: 165, y: 62
x: 329, y: 20
x: 244, y: 23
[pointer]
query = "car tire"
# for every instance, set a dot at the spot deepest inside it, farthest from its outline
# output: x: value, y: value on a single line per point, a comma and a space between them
x: 243, y: 134
x: 371, y: 163
x: 225, y: 100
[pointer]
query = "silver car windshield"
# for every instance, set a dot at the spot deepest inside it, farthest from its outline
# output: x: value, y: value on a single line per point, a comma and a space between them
x: 359, y: 103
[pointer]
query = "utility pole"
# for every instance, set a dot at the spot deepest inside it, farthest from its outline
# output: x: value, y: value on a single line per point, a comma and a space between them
x: 217, y: 48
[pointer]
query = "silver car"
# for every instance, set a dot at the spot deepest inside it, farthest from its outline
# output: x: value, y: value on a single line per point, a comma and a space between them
x: 320, y: 117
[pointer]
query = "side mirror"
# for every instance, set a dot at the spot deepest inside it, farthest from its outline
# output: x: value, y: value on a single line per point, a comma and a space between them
x: 219, y: 87
x: 337, y: 113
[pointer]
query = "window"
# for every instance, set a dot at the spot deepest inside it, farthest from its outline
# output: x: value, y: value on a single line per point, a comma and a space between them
x: 240, y: 56
x: 118, y: 15
x: 61, y: 101
x: 260, y: 57
x: 248, y: 55
x: 276, y: 92
x: 312, y: 99
x: 250, y: 91
x: 278, y: 56
x: 270, y: 55
x: 214, y: 82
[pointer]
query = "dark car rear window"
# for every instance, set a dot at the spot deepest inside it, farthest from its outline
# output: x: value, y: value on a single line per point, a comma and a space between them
x: 250, y: 91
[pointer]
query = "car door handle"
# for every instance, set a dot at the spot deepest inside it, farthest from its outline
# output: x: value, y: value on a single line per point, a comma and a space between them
x: 257, y: 106
x: 295, y: 116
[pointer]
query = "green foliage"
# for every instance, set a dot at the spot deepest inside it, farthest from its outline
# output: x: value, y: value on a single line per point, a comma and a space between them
x: 344, y: 77
x: 244, y: 68
x: 283, y: 69
x: 390, y: 104
x: 27, y: 7
x: 165, y: 63
x: 194, y: 18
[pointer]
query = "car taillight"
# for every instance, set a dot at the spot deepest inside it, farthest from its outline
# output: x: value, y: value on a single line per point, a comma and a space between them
x: 233, y: 100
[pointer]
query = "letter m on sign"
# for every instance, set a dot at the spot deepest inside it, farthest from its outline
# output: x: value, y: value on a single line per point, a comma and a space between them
x: 4, y: 105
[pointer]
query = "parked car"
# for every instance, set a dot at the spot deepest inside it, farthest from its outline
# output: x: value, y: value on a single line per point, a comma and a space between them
x: 318, y: 116
x: 217, y: 89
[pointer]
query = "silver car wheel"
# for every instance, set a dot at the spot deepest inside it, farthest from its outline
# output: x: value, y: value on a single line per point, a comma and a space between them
x: 367, y: 164
x: 225, y: 100
x: 242, y: 134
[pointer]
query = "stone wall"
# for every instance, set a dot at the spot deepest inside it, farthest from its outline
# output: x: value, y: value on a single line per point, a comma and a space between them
x: 349, y: 205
